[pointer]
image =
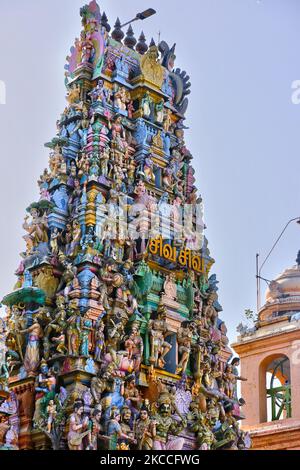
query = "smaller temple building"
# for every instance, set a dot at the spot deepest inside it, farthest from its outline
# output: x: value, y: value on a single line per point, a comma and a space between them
x: 270, y: 359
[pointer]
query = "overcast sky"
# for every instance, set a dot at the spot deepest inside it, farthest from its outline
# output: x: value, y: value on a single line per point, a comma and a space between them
x: 242, y: 56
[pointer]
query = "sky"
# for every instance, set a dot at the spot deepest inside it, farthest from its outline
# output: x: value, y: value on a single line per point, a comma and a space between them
x: 242, y: 57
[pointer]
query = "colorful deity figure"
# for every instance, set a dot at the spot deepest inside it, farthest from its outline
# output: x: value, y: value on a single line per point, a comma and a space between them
x: 4, y: 374
x: 55, y: 235
x: 148, y: 170
x: 159, y: 112
x: 132, y: 395
x: 127, y: 429
x: 118, y: 133
x: 158, y: 331
x: 235, y: 362
x: 51, y: 412
x: 209, y: 312
x: 114, y: 430
x: 104, y: 159
x: 32, y: 354
x: 134, y: 346
x: 73, y: 330
x: 44, y: 386
x: 87, y: 48
x: 200, y: 425
x: 166, y: 426
x: 146, y: 105
x: 37, y: 229
x: 76, y: 237
x: 100, y: 94
x: 99, y: 341
x: 145, y: 430
x: 121, y: 99
x: 78, y: 427
x: 95, y: 428
x: 184, y: 339
x: 86, y: 329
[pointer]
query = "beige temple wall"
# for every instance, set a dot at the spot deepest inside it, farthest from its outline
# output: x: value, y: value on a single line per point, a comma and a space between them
x: 255, y: 357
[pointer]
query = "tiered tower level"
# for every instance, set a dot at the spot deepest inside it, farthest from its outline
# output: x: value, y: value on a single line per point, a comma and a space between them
x: 113, y: 338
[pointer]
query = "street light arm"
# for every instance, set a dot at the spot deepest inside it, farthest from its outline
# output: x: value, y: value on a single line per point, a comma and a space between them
x: 277, y: 240
x: 141, y: 16
x: 258, y: 269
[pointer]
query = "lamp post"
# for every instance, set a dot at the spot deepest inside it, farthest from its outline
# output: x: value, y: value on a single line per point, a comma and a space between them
x: 141, y: 16
x: 259, y: 268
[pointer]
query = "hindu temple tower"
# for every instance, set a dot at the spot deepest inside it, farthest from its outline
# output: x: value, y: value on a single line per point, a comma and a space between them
x: 113, y: 337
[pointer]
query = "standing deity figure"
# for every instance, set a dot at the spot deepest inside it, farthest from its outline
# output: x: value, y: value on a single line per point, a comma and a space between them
x: 32, y: 354
x: 104, y: 159
x: 114, y: 430
x: 99, y: 341
x: 209, y: 312
x: 167, y: 120
x: 121, y: 99
x: 73, y: 330
x: 55, y: 162
x: 148, y: 170
x: 166, y: 426
x: 184, y: 339
x: 118, y: 132
x: 145, y: 430
x: 199, y: 424
x: 130, y: 109
x: 37, y: 229
x: 132, y: 395
x: 146, y: 105
x: 51, y: 412
x: 134, y: 345
x: 126, y: 427
x: 78, y: 427
x: 158, y: 330
x: 4, y: 374
x: 234, y: 364
x: 86, y: 329
x: 159, y: 112
x: 96, y: 428
x: 115, y: 335
x: 87, y: 48
x: 54, y: 241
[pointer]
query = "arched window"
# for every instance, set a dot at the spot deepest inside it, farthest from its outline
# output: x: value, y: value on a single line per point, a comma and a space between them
x: 278, y: 389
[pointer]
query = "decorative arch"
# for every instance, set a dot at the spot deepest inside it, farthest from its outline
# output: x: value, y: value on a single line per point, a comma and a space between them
x: 275, y: 388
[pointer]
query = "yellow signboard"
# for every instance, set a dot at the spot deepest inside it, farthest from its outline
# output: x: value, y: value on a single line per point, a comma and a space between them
x: 183, y: 257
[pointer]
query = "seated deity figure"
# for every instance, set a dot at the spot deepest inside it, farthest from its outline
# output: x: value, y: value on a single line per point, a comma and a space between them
x: 158, y: 329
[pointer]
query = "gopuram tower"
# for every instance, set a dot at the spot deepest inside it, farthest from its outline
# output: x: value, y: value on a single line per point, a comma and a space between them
x: 112, y: 334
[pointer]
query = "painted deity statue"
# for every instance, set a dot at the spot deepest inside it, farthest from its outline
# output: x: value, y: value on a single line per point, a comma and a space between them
x: 184, y: 339
x: 32, y: 354
x: 166, y: 426
x: 37, y: 229
x: 158, y: 330
x: 145, y: 430
x: 78, y: 427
